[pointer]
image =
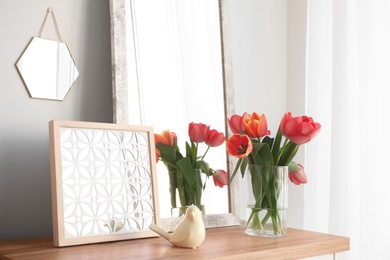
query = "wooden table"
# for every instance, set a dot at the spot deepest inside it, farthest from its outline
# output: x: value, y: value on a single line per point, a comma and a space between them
x: 220, y: 243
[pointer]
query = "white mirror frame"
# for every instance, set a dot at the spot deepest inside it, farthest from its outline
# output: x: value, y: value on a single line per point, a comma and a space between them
x: 119, y: 16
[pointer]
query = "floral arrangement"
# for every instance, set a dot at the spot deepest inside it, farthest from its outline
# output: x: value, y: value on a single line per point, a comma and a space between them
x: 252, y: 145
x: 182, y: 170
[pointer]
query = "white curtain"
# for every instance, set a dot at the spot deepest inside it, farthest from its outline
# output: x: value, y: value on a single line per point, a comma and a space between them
x: 348, y: 82
x: 176, y: 78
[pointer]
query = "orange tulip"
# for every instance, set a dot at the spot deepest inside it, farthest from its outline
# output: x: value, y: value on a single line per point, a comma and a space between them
x: 198, y: 132
x: 214, y: 138
x: 166, y: 137
x: 299, y: 130
x: 239, y: 146
x: 220, y: 178
x: 255, y: 125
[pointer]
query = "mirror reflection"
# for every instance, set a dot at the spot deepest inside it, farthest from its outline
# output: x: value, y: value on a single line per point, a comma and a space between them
x: 175, y: 78
x: 47, y: 69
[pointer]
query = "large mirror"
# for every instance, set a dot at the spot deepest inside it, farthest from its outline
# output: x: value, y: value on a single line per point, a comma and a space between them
x: 171, y: 66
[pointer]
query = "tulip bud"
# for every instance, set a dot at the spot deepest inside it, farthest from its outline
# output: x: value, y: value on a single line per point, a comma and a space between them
x: 296, y: 173
x: 220, y: 178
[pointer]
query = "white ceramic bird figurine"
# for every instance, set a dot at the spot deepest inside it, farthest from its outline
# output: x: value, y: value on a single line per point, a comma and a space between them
x: 190, y: 233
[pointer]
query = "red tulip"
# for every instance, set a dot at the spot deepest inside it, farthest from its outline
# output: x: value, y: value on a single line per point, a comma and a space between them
x: 239, y: 146
x: 255, y: 125
x: 299, y: 130
x: 220, y: 178
x: 298, y: 177
x: 235, y: 124
x: 198, y: 132
x: 214, y: 138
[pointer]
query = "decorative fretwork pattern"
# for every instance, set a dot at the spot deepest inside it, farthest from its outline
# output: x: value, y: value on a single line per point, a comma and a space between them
x: 106, y: 182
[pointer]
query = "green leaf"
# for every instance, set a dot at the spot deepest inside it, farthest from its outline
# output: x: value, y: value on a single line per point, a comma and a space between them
x: 197, y: 189
x: 288, y: 153
x: 188, y: 151
x: 191, y: 151
x: 236, y: 169
x: 193, y: 182
x: 181, y: 183
x: 276, y: 146
x: 256, y: 181
x: 187, y: 170
x: 203, y: 166
x: 268, y: 186
x: 256, y: 147
x: 268, y: 140
x: 261, y: 154
x: 243, y: 167
x: 169, y: 155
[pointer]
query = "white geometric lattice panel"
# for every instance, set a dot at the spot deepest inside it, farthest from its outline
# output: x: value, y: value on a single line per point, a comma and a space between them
x: 106, y: 182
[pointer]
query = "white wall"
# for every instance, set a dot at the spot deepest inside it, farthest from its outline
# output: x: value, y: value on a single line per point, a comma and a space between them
x: 25, y: 203
x: 259, y: 38
x: 268, y: 38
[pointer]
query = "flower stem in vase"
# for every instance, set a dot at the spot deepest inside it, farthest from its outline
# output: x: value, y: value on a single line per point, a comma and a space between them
x: 254, y: 220
x: 267, y: 189
x: 181, y: 188
x: 172, y: 187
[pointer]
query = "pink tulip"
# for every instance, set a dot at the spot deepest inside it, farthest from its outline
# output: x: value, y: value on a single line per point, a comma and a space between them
x: 220, y: 178
x: 298, y: 177
x: 299, y: 130
x: 198, y: 132
x: 214, y: 138
x: 235, y: 124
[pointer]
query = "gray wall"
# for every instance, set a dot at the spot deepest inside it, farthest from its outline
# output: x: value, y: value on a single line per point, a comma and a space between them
x: 25, y: 202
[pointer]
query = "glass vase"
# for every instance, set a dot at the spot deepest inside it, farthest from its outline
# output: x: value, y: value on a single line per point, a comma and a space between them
x: 267, y: 200
x: 186, y: 190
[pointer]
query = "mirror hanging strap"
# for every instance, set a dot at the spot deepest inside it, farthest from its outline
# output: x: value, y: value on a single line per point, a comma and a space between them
x: 50, y: 11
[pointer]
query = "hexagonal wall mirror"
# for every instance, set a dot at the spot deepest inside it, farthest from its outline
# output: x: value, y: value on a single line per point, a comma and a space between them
x: 47, y: 68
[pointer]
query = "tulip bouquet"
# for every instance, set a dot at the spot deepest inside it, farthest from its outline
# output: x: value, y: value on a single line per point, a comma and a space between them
x: 182, y: 170
x: 252, y: 145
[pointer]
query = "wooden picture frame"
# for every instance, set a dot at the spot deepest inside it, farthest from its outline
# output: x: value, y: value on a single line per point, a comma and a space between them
x: 103, y: 182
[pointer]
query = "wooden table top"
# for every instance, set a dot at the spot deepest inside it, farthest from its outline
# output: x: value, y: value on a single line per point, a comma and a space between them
x: 220, y: 243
